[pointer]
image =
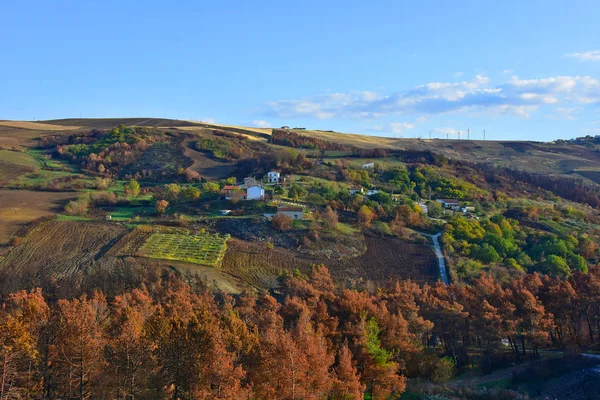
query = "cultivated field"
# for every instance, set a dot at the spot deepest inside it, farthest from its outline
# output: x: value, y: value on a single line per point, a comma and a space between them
x: 14, y: 164
x: 204, y: 249
x: 18, y: 207
x: 37, y: 126
x: 61, y: 248
x: 384, y: 259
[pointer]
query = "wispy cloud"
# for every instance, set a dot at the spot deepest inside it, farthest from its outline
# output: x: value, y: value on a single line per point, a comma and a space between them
x: 592, y: 55
x: 393, y: 127
x: 518, y: 97
x: 261, y: 123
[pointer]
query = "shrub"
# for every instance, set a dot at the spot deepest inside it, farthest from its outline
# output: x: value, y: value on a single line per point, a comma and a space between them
x: 132, y: 188
x: 365, y: 216
x: 161, y: 206
x: 282, y: 222
x: 329, y: 217
x: 77, y: 207
x: 16, y: 241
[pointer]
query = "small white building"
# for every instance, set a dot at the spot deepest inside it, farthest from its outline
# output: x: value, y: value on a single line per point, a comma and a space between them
x: 368, y: 165
x: 423, y: 208
x: 358, y: 190
x: 224, y: 212
x: 371, y: 192
x: 292, y: 212
x: 255, y: 193
x: 273, y: 177
x: 467, y: 209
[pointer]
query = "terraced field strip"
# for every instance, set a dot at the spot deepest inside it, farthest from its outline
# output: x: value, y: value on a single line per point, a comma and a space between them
x: 203, y: 249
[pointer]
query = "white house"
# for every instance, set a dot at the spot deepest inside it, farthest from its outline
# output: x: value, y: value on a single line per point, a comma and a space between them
x: 371, y: 192
x: 449, y: 203
x: 467, y: 209
x: 358, y: 190
x: 292, y: 212
x: 368, y: 165
x: 255, y: 193
x: 273, y: 177
x: 224, y: 212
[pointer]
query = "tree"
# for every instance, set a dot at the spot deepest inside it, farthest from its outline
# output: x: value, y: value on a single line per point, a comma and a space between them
x: 435, y: 209
x: 190, y: 193
x: 329, y: 217
x: 281, y: 222
x: 556, y: 265
x: 296, y: 191
x: 172, y: 191
x: 347, y: 385
x: 211, y: 187
x: 365, y: 215
x: 78, y: 353
x: 161, y: 206
x: 132, y: 188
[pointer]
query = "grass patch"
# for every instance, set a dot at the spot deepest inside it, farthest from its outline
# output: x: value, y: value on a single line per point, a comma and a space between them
x: 203, y: 249
x: 63, y: 217
x: 346, y: 229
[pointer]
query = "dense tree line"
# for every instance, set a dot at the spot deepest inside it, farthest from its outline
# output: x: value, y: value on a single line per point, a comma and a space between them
x: 568, y: 188
x: 166, y: 340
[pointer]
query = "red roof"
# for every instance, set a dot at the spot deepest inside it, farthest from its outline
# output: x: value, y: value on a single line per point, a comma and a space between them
x: 230, y: 187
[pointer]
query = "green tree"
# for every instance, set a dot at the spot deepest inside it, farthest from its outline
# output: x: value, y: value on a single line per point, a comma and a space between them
x: 486, y: 254
x: 296, y: 191
x: 556, y: 265
x: 132, y: 188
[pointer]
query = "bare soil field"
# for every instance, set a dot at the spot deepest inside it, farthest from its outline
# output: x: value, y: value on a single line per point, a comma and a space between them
x: 385, y: 258
x: 65, y: 248
x: 14, y: 164
x: 36, y: 126
x: 108, y: 123
x: 18, y: 207
x: 205, y: 166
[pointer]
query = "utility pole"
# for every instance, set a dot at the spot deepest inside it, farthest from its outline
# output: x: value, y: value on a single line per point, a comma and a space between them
x: 458, y: 135
x: 484, y: 134
x: 429, y: 135
x: 447, y: 136
x: 468, y: 134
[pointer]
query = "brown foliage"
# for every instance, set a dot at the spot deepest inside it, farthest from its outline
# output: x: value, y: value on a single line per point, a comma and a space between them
x: 281, y: 222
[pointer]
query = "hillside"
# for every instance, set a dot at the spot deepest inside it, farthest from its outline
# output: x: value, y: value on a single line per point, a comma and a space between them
x: 306, y: 238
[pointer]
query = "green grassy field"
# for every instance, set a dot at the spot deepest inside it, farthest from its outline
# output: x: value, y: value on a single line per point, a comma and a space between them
x: 204, y: 249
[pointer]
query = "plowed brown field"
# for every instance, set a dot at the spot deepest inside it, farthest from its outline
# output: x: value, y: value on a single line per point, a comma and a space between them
x: 63, y: 247
x: 384, y: 259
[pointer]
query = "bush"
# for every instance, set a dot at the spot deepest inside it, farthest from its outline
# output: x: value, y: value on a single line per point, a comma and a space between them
x: 282, y: 222
x: 329, y: 217
x: 77, y: 207
x: 161, y: 206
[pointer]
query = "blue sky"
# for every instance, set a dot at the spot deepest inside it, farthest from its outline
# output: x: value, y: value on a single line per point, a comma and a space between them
x: 518, y: 69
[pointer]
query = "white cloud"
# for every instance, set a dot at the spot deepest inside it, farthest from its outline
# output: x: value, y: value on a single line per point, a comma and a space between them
x: 564, y: 113
x: 458, y: 74
x: 517, y: 97
x: 508, y: 72
x: 399, y: 127
x: 593, y: 55
x: 260, y: 123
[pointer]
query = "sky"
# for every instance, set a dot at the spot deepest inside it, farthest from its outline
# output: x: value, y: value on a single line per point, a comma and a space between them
x: 526, y: 70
